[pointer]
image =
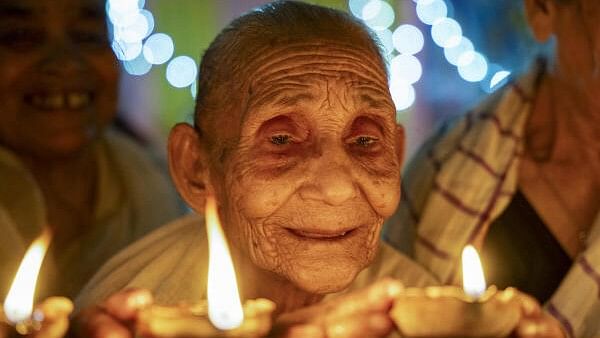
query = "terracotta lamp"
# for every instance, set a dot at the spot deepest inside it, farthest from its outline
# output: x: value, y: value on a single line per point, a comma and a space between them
x: 449, y: 311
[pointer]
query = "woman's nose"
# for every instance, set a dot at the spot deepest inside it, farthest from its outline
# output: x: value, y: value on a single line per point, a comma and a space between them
x: 331, y: 180
x: 61, y: 57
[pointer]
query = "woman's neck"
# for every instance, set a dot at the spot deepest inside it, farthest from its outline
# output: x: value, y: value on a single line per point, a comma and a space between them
x: 572, y: 117
x: 68, y: 185
x: 259, y: 283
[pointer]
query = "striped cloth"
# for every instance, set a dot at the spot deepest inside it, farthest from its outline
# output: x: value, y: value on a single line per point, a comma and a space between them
x: 462, y: 179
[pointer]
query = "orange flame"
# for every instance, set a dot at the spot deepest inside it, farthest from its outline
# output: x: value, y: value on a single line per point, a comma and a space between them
x: 224, y: 306
x: 18, y: 305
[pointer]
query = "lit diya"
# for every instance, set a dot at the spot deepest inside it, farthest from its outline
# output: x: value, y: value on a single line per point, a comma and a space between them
x: 222, y: 314
x: 18, y: 306
x: 449, y: 311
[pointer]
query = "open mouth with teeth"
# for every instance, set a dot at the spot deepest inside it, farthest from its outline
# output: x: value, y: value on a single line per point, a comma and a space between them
x: 322, y: 235
x: 72, y: 100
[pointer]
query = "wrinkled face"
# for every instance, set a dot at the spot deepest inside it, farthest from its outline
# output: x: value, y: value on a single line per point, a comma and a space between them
x: 316, y: 170
x: 578, y: 36
x: 58, y: 76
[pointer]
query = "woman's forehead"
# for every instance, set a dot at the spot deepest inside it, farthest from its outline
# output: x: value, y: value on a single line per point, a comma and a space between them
x: 30, y: 9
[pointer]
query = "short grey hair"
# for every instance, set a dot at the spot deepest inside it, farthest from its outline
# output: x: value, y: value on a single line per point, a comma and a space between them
x: 224, y: 65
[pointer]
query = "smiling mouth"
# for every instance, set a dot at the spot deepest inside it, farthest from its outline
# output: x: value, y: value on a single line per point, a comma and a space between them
x: 70, y: 100
x: 321, y: 235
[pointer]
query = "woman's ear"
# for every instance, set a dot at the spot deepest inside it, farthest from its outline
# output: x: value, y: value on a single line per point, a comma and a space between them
x: 541, y: 15
x: 188, y: 164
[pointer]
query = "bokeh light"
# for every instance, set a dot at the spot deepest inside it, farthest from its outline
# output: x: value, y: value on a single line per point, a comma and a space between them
x: 454, y: 53
x: 446, y: 33
x: 403, y: 94
x: 126, y: 51
x: 138, y: 66
x: 158, y: 48
x: 385, y: 37
x: 406, y: 67
x: 356, y: 7
x: 498, y: 79
x: 408, y: 39
x: 378, y: 14
x: 476, y: 69
x: 181, y: 71
x: 431, y: 11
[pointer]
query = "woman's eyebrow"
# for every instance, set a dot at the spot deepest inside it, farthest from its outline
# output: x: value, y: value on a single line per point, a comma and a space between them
x: 291, y: 100
x: 15, y: 10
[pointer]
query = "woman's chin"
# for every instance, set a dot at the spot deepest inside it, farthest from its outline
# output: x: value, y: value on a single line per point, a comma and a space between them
x: 324, y: 280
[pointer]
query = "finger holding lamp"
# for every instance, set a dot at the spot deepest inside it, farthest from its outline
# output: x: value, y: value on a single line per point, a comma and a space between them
x: 50, y: 318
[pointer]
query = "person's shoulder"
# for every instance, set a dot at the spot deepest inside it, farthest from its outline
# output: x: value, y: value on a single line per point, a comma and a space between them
x: 148, y: 261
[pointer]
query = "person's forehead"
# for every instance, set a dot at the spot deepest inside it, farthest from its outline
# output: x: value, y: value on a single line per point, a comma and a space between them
x: 304, y: 72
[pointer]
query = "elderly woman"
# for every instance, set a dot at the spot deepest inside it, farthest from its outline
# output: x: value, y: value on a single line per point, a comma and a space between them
x: 520, y: 177
x: 60, y: 166
x: 295, y: 136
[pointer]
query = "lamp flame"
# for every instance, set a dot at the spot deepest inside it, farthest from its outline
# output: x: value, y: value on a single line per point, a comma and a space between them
x: 224, y: 306
x: 473, y: 278
x: 18, y: 305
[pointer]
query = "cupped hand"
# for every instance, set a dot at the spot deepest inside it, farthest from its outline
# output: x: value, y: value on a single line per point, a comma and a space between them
x: 363, y: 313
x: 535, y: 322
x: 115, y: 317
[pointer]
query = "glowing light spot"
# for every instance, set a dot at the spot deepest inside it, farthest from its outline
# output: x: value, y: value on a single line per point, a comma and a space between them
x: 356, y: 7
x: 431, y: 11
x: 194, y: 89
x: 150, y: 21
x: 454, y: 53
x: 122, y: 13
x: 403, y: 94
x: 498, y: 78
x: 475, y: 70
x: 406, y: 67
x: 138, y: 66
x: 378, y: 15
x: 158, y: 48
x: 408, y: 39
x: 446, y: 33
x: 126, y: 51
x: 135, y: 31
x: 181, y: 71
x: 385, y: 37
x: 371, y: 9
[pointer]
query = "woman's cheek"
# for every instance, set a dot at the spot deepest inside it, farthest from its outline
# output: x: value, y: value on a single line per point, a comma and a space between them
x: 259, y: 198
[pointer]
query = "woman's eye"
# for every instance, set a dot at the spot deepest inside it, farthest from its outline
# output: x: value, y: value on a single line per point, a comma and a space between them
x: 89, y: 38
x: 365, y: 141
x: 21, y: 39
x: 281, y: 139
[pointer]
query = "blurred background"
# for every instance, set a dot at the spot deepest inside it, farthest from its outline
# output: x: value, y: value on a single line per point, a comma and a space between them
x: 443, y: 55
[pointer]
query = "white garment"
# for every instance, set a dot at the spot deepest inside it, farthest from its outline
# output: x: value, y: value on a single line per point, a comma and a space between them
x: 133, y: 197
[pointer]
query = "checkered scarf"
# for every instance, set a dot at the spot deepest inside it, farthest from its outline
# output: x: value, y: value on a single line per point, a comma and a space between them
x: 463, y: 178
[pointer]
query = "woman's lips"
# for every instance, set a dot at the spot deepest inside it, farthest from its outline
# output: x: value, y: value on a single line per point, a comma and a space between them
x: 322, y: 235
x: 68, y: 100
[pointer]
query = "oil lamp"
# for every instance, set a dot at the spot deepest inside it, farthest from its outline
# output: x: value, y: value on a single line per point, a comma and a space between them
x: 18, y: 306
x: 449, y: 311
x: 222, y: 314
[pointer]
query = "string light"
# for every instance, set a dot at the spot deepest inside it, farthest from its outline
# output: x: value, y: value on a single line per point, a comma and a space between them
x: 138, y: 49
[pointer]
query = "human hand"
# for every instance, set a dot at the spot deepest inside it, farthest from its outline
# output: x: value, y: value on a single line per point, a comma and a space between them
x: 535, y: 322
x: 363, y: 313
x: 115, y: 317
x: 55, y: 323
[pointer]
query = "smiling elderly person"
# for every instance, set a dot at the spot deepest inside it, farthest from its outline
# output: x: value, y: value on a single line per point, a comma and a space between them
x: 295, y: 135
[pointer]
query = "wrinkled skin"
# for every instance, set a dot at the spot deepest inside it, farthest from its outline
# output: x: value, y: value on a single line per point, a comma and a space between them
x: 58, y: 77
x: 316, y: 168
